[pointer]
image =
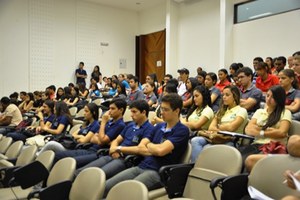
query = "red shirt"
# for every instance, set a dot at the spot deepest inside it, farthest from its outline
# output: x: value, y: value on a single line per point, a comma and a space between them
x: 269, y: 82
x: 221, y: 86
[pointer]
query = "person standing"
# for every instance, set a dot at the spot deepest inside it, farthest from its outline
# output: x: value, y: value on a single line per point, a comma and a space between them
x: 80, y: 74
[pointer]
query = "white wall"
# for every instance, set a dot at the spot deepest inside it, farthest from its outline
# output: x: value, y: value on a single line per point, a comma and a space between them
x: 271, y: 36
x: 14, y: 55
x: 152, y: 19
x: 42, y: 41
x: 198, y: 35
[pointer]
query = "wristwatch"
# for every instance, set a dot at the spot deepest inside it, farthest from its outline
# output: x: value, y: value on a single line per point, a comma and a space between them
x: 119, y: 149
x: 262, y: 133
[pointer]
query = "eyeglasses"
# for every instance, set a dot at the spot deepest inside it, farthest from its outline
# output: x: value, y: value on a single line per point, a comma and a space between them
x: 165, y: 109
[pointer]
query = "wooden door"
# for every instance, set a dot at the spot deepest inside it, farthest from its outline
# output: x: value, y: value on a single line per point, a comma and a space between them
x: 150, y: 55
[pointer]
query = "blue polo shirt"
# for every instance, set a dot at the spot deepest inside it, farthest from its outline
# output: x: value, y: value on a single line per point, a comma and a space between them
x: 178, y: 135
x: 49, y: 118
x: 60, y: 120
x: 112, y: 130
x: 254, y: 93
x: 133, y: 134
x: 93, y: 127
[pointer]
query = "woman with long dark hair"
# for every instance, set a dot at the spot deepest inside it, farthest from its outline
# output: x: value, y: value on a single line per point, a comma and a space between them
x: 270, y: 124
x: 200, y: 114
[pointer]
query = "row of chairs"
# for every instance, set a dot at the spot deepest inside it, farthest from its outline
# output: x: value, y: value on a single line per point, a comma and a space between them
x: 58, y: 182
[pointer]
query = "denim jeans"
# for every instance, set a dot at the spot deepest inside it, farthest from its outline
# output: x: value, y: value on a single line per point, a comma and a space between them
x: 109, y: 165
x: 149, y: 177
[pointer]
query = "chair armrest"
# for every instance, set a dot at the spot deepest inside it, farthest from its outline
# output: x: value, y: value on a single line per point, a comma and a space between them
x: 174, y: 178
x: 83, y: 145
x: 133, y: 160
x: 103, y: 152
x: 233, y: 187
x: 57, y: 191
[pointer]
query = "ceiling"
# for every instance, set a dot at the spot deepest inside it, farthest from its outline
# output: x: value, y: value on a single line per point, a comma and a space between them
x: 139, y: 5
x: 134, y: 5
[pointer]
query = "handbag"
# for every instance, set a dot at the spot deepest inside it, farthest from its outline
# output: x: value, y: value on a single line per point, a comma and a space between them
x: 64, y: 139
x: 214, y: 138
x: 273, y: 147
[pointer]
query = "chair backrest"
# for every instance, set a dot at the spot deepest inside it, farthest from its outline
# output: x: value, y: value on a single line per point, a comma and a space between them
x: 5, y: 143
x: 131, y: 189
x: 26, y: 156
x: 267, y: 175
x: 74, y: 128
x: 127, y: 115
x: 97, y: 101
x: 46, y: 158
x: 33, y: 121
x: 151, y: 115
x: 100, y: 113
x: 14, y: 150
x: 63, y: 170
x: 80, y: 113
x: 88, y: 185
x: 186, y: 158
x: 1, y: 136
x: 214, y: 161
x: 295, y: 128
x: 73, y: 111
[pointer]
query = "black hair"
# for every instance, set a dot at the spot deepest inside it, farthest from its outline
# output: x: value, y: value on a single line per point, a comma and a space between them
x: 205, y: 96
x: 141, y: 105
x: 50, y: 104
x: 170, y: 88
x: 291, y: 74
x: 14, y: 95
x: 134, y: 78
x: 213, y: 76
x: 173, y: 81
x: 62, y: 110
x: 31, y: 97
x: 247, y: 71
x: 71, y: 85
x: 120, y: 103
x: 297, y: 53
x: 23, y: 93
x: 93, y: 108
x: 225, y: 72
x: 174, y: 100
x: 279, y: 97
x: 5, y: 100
x: 234, y: 66
x: 123, y: 89
x: 281, y: 58
x: 52, y: 87
x: 81, y: 63
x: 194, y: 83
x: 259, y: 59
x: 169, y: 75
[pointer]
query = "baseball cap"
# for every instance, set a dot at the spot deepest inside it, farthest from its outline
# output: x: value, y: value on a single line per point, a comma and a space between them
x: 183, y: 70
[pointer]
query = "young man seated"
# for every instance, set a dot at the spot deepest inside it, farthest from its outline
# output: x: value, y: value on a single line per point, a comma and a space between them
x: 127, y: 142
x: 167, y: 145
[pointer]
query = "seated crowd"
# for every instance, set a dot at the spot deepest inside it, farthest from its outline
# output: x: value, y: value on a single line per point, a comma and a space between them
x: 260, y: 103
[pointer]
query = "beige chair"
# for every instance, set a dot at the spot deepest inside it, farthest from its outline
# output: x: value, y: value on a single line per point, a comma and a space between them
x: 295, y: 128
x: 73, y: 111
x: 12, y: 152
x: 151, y: 115
x: 127, y: 115
x: 97, y: 101
x: 5, y: 143
x: 267, y: 175
x: 74, y: 128
x: 130, y: 189
x: 26, y: 156
x: 91, y: 181
x: 63, y: 170
x: 1, y: 136
x: 46, y: 158
x: 214, y: 161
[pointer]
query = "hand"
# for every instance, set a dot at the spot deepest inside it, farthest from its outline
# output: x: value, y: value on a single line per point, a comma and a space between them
x: 115, y: 155
x: 112, y: 150
x: 105, y: 118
